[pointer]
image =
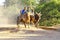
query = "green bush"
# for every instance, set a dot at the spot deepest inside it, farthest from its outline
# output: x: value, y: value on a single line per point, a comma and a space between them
x: 50, y: 13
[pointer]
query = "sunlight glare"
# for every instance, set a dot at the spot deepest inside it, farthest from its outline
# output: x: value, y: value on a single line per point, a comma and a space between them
x: 2, y: 2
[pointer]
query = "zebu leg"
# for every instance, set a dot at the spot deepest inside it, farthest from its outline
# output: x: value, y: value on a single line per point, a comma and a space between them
x: 25, y: 24
x: 18, y: 25
x: 37, y: 24
x: 28, y: 25
x: 18, y: 22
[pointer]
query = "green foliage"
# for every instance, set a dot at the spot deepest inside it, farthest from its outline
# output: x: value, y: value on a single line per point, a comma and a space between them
x: 50, y: 13
x: 29, y: 2
x: 20, y: 2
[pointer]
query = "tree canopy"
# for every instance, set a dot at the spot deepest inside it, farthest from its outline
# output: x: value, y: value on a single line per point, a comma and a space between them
x: 50, y: 12
x: 22, y: 2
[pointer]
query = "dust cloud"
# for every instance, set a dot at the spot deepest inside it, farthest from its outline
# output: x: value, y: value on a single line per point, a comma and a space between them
x: 8, y: 16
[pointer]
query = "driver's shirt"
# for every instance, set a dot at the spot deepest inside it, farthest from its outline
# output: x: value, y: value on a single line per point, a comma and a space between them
x: 23, y: 11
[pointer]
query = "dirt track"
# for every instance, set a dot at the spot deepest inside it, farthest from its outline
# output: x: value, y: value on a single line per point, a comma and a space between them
x: 31, y: 33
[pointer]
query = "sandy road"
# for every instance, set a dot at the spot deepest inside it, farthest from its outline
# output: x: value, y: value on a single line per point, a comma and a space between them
x: 31, y: 33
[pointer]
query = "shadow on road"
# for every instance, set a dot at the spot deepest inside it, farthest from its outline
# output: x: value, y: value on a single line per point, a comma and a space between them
x: 5, y: 29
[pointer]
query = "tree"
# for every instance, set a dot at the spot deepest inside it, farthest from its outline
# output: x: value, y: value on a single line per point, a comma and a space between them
x: 29, y: 2
x: 22, y: 2
x: 11, y: 2
x: 50, y: 12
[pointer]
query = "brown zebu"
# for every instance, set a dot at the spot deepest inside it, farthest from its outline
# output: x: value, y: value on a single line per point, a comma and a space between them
x: 35, y: 19
x: 27, y: 20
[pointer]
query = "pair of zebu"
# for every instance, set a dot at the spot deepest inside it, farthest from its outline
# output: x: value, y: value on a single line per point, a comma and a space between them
x: 29, y: 19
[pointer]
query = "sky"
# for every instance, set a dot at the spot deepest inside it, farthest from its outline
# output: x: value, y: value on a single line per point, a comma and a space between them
x: 1, y: 2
